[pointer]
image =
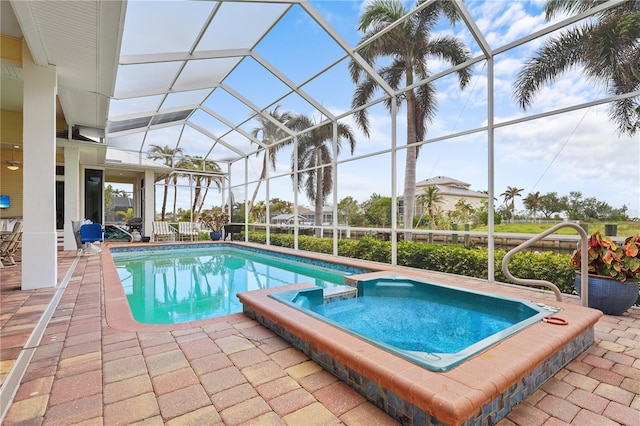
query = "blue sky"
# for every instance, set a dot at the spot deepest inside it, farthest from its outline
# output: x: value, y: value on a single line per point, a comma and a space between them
x: 577, y: 151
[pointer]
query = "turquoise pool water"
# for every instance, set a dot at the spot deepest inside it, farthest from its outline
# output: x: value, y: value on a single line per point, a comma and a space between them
x: 169, y: 286
x: 434, y: 326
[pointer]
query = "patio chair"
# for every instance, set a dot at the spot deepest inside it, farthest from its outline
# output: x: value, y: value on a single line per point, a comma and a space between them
x: 10, y: 245
x: 186, y: 231
x: 162, y: 231
x: 229, y: 230
x: 91, y: 233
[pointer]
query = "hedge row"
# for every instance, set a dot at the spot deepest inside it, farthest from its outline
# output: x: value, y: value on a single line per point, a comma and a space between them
x: 454, y: 259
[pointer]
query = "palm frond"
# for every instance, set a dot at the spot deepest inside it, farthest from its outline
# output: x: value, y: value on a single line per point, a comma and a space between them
x: 570, y: 7
x: 556, y: 56
x: 453, y: 51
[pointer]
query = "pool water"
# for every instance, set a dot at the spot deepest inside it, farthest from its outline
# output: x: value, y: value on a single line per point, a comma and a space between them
x: 406, y: 321
x: 182, y: 285
x: 432, y: 325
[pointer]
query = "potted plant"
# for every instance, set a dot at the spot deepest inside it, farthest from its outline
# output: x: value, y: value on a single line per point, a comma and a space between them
x: 214, y: 220
x: 613, y: 272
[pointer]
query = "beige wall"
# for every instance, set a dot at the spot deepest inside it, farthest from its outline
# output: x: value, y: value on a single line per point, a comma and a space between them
x: 11, y: 127
x: 11, y: 184
x: 11, y: 49
x: 449, y: 202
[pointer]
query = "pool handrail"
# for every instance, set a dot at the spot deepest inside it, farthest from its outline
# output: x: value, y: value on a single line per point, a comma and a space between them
x: 584, y: 288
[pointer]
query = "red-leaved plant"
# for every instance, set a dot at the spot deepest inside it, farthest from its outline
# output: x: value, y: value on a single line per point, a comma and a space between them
x: 609, y: 260
x: 214, y: 219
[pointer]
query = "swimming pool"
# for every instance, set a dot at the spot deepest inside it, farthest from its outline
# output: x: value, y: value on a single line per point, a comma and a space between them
x: 178, y: 284
x: 431, y: 325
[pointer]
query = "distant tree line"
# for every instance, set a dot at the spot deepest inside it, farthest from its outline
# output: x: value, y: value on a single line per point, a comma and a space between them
x: 376, y: 211
x: 553, y: 206
x: 572, y: 207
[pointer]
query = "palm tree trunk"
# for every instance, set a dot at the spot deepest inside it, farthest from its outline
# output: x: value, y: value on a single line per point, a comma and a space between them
x: 263, y: 174
x: 410, y: 167
x: 164, y: 198
x: 175, y: 195
x: 196, y: 196
x: 204, y: 197
x: 318, y: 201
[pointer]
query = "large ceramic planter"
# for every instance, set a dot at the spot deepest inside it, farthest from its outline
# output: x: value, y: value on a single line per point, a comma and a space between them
x: 215, y: 236
x: 608, y: 295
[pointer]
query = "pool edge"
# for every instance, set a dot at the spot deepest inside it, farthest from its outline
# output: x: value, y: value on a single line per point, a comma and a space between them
x: 118, y: 313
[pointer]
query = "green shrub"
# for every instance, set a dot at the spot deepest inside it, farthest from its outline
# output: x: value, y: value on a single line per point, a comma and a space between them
x: 449, y: 258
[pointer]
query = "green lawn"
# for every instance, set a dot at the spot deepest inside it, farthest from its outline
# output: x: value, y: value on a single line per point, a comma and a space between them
x: 625, y: 229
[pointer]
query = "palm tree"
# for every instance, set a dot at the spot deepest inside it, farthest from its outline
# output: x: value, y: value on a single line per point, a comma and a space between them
x: 510, y: 197
x: 210, y: 166
x: 165, y: 154
x: 182, y: 163
x: 314, y: 158
x: 430, y: 200
x: 607, y: 48
x: 532, y: 202
x: 258, y: 211
x: 271, y: 133
x: 205, y: 180
x: 404, y: 52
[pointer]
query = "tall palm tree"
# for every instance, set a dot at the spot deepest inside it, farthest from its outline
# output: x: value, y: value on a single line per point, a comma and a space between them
x: 166, y: 155
x: 510, y: 197
x: 606, y: 47
x: 403, y: 52
x: 430, y: 198
x: 271, y: 133
x: 182, y: 163
x: 315, y: 158
x: 258, y: 211
x: 210, y: 166
x: 205, y: 180
x: 532, y: 201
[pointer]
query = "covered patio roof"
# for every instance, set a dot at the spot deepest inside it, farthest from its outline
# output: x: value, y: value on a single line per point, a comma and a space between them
x: 195, y: 75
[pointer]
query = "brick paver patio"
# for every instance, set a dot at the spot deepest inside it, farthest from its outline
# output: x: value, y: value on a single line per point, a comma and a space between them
x: 238, y: 372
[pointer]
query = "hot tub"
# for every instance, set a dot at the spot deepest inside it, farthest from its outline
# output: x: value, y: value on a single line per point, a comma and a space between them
x: 480, y: 389
x: 434, y: 326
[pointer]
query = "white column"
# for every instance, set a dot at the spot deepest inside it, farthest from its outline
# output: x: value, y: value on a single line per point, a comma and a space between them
x: 71, y: 195
x: 149, y: 202
x: 39, y: 238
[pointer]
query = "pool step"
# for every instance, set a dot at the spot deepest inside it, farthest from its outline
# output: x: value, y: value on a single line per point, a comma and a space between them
x: 339, y: 293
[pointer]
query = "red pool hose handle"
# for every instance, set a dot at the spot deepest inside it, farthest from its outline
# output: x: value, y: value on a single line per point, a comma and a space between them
x: 555, y: 320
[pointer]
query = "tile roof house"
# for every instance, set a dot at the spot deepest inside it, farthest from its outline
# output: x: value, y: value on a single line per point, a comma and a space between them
x: 451, y: 190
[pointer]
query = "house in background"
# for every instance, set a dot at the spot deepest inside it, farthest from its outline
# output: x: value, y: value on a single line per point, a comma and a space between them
x: 450, y: 190
x: 310, y: 214
x: 287, y: 219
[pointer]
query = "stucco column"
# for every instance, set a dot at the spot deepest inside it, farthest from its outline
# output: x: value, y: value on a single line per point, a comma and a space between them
x: 71, y: 194
x: 39, y: 238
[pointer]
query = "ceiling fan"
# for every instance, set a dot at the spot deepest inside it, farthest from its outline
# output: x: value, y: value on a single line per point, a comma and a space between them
x: 13, y: 164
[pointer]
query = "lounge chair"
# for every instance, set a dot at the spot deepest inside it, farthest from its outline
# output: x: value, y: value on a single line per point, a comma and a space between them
x: 9, y: 245
x: 187, y: 231
x: 91, y: 233
x: 162, y: 231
